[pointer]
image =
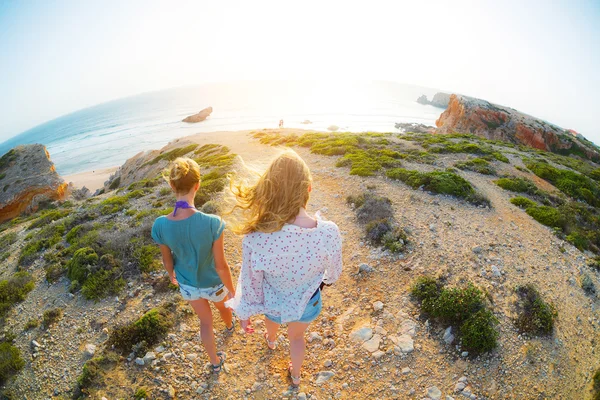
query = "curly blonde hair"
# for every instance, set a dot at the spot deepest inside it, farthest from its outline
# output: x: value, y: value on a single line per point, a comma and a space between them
x: 277, y: 196
x: 183, y: 173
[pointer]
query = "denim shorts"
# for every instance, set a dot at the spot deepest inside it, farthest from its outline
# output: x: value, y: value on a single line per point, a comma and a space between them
x: 215, y: 293
x: 311, y: 312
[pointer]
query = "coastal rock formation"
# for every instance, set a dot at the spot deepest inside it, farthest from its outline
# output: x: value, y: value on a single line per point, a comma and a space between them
x: 469, y: 115
x: 201, y: 116
x: 27, y: 177
x: 440, y: 100
x: 414, y: 127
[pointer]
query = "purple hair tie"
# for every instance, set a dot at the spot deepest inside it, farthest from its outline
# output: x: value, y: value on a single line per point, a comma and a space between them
x: 181, y: 204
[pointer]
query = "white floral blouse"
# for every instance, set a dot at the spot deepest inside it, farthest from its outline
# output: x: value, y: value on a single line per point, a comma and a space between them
x: 282, y: 270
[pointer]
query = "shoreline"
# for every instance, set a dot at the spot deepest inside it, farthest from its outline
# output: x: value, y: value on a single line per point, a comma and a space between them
x: 92, y: 180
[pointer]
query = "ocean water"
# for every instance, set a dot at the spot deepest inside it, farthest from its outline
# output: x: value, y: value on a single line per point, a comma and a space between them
x: 106, y: 135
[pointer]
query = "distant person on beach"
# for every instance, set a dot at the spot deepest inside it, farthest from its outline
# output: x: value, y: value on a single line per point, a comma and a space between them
x: 287, y: 255
x: 280, y: 123
x: 191, y: 244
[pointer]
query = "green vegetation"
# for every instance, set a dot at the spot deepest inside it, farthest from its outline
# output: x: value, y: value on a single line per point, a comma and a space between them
x: 31, y: 324
x: 7, y: 159
x: 146, y: 183
x: 595, y: 263
x: 440, y: 182
x: 51, y: 317
x: 144, y: 333
x: 596, y: 385
x: 479, y: 165
x: 546, y: 215
x: 210, y: 184
x: 48, y: 216
x: 93, y: 373
x: 14, y: 290
x: 214, y: 155
x: 113, y: 205
x: 464, y: 307
x: 141, y: 394
x: 518, y: 185
x: 588, y: 285
x: 4, y: 256
x: 97, y: 277
x: 535, y: 316
x: 7, y: 240
x: 571, y: 183
x: 147, y: 257
x: 11, y: 361
x: 173, y: 154
x: 46, y: 238
x: 523, y: 202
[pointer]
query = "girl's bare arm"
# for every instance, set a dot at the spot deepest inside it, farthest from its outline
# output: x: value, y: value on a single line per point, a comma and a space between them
x: 221, y: 264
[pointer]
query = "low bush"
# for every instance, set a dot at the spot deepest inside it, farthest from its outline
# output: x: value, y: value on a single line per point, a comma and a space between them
x: 439, y: 182
x: 518, y: 185
x: 534, y: 315
x: 595, y: 263
x: 4, y: 256
x: 546, y: 215
x: 478, y: 333
x: 588, y: 285
x: 214, y: 155
x: 464, y: 307
x: 376, y: 230
x: 523, y: 202
x: 479, y: 165
x: 374, y: 208
x: 51, y: 317
x: 46, y: 238
x: 93, y: 373
x: 596, y: 385
x: 11, y: 361
x: 113, y: 205
x: 14, y: 290
x: 54, y: 272
x: 82, y: 264
x: 395, y: 240
x: 210, y: 207
x: 147, y: 331
x: 48, y: 216
x: 146, y: 257
x: 31, y: 324
x: 173, y: 154
x: 7, y: 240
x: 141, y: 394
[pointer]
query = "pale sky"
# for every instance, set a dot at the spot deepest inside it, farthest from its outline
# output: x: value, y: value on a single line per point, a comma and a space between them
x: 539, y: 57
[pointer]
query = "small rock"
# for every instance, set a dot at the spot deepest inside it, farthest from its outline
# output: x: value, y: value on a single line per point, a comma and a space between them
x: 405, y: 344
x: 328, y: 363
x: 408, y: 327
x: 477, y: 249
x: 159, y: 349
x: 89, y: 350
x: 362, y: 334
x: 139, y: 361
x: 405, y: 371
x: 149, y: 357
x: 377, y: 306
x: 434, y: 393
x: 314, y: 336
x: 301, y: 396
x: 464, y: 354
x: 448, y: 336
x: 191, y: 356
x: 324, y: 376
x: 365, y: 268
x: 378, y: 354
x: 171, y: 392
x: 372, y: 344
x: 459, y: 387
x: 35, y: 344
x: 496, y: 271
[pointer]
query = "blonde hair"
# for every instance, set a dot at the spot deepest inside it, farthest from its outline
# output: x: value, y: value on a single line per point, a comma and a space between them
x: 277, y: 196
x: 183, y: 173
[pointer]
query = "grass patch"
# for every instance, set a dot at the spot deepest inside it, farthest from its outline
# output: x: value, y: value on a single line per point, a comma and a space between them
x: 478, y: 165
x: 594, y: 263
x: 93, y: 373
x: 518, y: 185
x: 172, y: 154
x: 141, y: 394
x: 523, y: 202
x: 113, y: 205
x: 51, y: 317
x: 534, y: 315
x: 46, y: 238
x: 144, y: 333
x: 98, y: 277
x: 11, y: 361
x: 147, y: 258
x: 214, y: 155
x: 439, y: 182
x: 14, y: 290
x: 31, y: 324
x: 464, y: 307
x: 48, y: 216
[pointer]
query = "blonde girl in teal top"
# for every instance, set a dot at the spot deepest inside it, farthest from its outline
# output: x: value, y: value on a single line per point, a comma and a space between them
x: 191, y: 244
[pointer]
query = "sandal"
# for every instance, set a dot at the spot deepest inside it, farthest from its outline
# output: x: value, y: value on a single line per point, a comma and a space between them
x: 295, y: 380
x: 217, y: 368
x: 271, y: 345
x: 232, y: 329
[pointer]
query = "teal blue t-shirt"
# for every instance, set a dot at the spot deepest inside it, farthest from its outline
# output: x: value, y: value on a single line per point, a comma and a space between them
x: 190, y: 241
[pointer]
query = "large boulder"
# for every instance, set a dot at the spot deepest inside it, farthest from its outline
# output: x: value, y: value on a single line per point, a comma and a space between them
x: 28, y: 177
x: 440, y: 100
x: 470, y: 115
x: 201, y: 116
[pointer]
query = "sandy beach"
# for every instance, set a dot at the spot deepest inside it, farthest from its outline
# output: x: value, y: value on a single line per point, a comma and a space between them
x: 237, y: 141
x: 92, y: 180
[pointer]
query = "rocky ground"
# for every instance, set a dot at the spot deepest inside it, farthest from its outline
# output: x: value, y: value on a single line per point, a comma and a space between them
x: 371, y: 340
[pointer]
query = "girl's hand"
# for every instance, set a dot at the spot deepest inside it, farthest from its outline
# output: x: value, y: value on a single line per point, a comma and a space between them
x: 247, y: 326
x: 173, y: 280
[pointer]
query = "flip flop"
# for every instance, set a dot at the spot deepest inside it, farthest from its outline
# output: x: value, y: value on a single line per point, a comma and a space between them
x: 219, y: 367
x: 271, y: 345
x: 295, y: 380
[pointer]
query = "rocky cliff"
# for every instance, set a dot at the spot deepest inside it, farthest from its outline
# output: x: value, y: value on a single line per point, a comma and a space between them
x: 440, y: 100
x: 27, y: 177
x: 469, y: 115
x: 201, y: 116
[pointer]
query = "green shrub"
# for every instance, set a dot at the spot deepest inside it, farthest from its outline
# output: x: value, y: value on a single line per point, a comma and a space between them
x: 147, y: 331
x: 214, y: 155
x: 479, y: 165
x: 165, y: 191
x: 546, y: 215
x: 48, y: 216
x: 523, y: 202
x: 4, y: 256
x: 500, y: 157
x: 534, y: 315
x: 210, y: 207
x: 93, y: 373
x: 102, y: 283
x: 146, y: 257
x: 80, y: 266
x: 31, y: 324
x: 376, y: 230
x: 357, y: 200
x: 51, y: 317
x: 14, y: 290
x: 595, y: 263
x: 478, y: 333
x: 7, y: 240
x: 588, y: 285
x: 145, y: 183
x: 455, y: 305
x: 141, y: 394
x: 113, y: 205
x: 395, y: 240
x: 47, y: 237
x: 173, y: 154
x: 11, y: 361
x: 54, y: 272
x: 425, y: 288
x: 518, y: 185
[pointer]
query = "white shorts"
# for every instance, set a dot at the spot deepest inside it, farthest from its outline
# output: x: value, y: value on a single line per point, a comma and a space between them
x: 215, y: 293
